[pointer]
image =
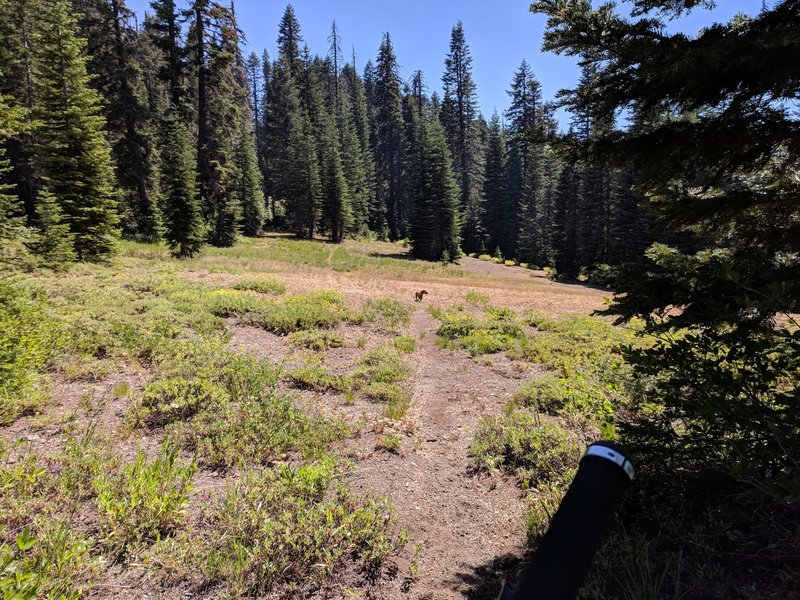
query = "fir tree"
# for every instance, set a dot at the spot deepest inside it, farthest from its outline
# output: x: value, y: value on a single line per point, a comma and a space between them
x: 18, y: 26
x: 52, y: 241
x: 185, y: 230
x: 458, y: 115
x: 433, y: 228
x: 389, y: 155
x: 73, y: 156
x: 497, y: 214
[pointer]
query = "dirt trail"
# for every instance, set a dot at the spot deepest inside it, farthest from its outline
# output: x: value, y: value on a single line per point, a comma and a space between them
x: 469, y: 525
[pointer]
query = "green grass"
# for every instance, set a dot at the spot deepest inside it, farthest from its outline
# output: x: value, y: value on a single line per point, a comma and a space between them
x: 476, y: 298
x: 405, y: 344
x: 378, y: 376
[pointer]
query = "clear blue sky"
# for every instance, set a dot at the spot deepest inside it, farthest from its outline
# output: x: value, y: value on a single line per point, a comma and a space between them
x: 500, y: 34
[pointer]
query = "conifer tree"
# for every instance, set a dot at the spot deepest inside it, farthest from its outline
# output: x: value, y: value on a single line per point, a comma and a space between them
x: 433, y: 227
x: 459, y: 111
x: 564, y: 224
x: 52, y: 241
x: 372, y: 220
x: 18, y: 25
x: 337, y: 210
x: 184, y: 228
x: 164, y: 29
x: 11, y: 209
x: 73, y: 157
x: 389, y: 155
x: 497, y: 215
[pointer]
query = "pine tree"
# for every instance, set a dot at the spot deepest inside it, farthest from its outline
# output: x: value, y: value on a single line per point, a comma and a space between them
x: 389, y: 155
x: 52, y: 241
x: 525, y: 122
x: 73, y: 156
x: 497, y: 214
x: 336, y: 202
x: 11, y: 209
x: 18, y: 25
x: 184, y: 228
x: 563, y: 227
x: 433, y: 227
x: 459, y: 111
x: 164, y: 29
x: 718, y: 157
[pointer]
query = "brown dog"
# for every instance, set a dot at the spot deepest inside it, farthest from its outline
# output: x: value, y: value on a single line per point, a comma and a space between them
x: 420, y: 295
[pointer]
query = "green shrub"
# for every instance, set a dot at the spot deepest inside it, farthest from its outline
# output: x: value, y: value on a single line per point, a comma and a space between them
x: 405, y: 344
x: 232, y: 303
x: 171, y: 400
x: 510, y: 263
x: 317, y: 340
x: 263, y: 285
x: 394, y: 395
x: 537, y: 451
x: 498, y: 330
x: 388, y: 443
x: 387, y: 312
x: 382, y: 365
x: 28, y: 343
x: 547, y: 394
x: 289, y: 529
x: 486, y: 257
x: 455, y: 326
x: 317, y: 379
x: 49, y: 563
x: 144, y: 502
x: 321, y: 309
x: 476, y: 298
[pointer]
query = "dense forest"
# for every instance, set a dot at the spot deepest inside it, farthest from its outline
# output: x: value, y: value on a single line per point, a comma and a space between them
x: 166, y: 131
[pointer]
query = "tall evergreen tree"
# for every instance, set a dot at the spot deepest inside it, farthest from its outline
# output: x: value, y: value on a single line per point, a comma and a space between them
x: 433, y: 227
x: 497, y: 214
x: 73, y: 156
x: 389, y: 154
x: 184, y: 228
x: 459, y: 111
x: 133, y: 143
x: 18, y: 25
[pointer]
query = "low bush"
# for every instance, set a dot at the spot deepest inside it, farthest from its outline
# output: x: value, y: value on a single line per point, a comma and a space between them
x: 476, y: 298
x: 263, y: 285
x: 405, y: 344
x: 29, y: 341
x: 393, y: 395
x: 537, y: 451
x: 145, y: 501
x: 318, y: 379
x: 387, y: 312
x: 317, y: 340
x: 317, y: 310
x: 232, y: 303
x: 285, y: 531
x: 178, y: 399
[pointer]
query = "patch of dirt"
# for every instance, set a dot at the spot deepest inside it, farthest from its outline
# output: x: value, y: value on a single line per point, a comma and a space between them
x: 464, y: 521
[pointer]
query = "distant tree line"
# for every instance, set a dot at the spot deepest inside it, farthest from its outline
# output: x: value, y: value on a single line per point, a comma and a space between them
x: 164, y: 130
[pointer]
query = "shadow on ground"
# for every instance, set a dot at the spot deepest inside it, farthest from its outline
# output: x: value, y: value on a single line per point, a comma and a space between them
x: 483, y: 582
